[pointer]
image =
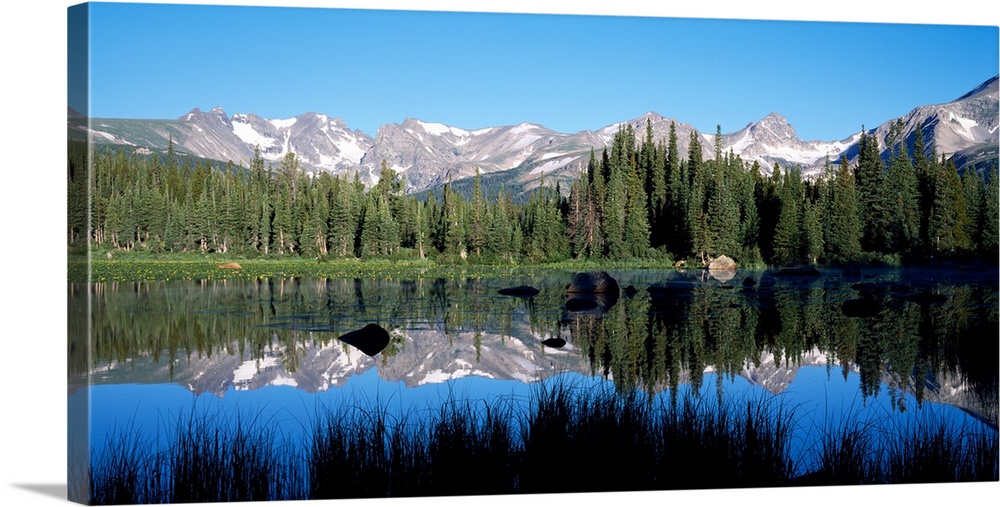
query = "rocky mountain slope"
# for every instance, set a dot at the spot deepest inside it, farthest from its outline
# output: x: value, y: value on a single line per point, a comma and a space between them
x: 431, y: 154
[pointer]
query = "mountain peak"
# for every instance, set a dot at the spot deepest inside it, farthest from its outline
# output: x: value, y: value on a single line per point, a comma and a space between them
x: 430, y: 153
x: 989, y: 86
x: 774, y: 118
x: 773, y: 126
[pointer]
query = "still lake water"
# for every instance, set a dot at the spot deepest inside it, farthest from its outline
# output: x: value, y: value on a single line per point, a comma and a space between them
x: 847, y: 347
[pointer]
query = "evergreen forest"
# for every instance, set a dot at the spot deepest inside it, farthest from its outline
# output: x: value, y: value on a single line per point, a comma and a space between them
x: 637, y: 199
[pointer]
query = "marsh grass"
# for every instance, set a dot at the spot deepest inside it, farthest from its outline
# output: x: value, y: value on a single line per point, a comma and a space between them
x: 230, y: 461
x: 934, y: 451
x: 566, y: 438
x: 138, y: 266
x: 923, y: 450
x: 210, y: 459
x: 125, y: 471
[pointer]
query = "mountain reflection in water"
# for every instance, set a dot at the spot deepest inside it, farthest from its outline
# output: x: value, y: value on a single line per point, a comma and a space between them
x: 923, y: 335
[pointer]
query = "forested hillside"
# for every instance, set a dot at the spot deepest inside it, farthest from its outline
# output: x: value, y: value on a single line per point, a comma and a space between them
x: 639, y: 198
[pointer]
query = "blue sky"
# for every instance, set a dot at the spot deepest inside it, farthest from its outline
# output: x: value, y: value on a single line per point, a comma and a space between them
x: 568, y: 72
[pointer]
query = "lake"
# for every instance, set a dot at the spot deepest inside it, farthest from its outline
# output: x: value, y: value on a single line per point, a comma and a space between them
x: 835, y: 349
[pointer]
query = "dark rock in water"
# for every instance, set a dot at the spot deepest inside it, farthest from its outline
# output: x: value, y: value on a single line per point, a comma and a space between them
x: 556, y: 343
x: 861, y: 308
x: 370, y: 339
x: 799, y: 271
x: 520, y: 290
x: 749, y: 282
x: 631, y: 290
x: 927, y: 298
x: 581, y: 304
x: 594, y: 282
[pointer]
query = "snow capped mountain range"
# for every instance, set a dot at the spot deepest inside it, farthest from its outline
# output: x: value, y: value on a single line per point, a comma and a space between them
x: 431, y: 154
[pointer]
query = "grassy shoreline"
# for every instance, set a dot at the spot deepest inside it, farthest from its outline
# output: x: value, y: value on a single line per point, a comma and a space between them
x: 141, y: 267
x: 124, y: 266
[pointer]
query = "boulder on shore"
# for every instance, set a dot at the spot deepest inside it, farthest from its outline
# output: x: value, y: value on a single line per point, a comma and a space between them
x: 722, y: 263
x: 230, y: 265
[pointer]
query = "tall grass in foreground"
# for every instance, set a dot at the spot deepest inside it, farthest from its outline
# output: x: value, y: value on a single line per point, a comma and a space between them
x: 125, y: 471
x: 579, y: 440
x: 927, y: 450
x: 568, y: 439
x: 208, y: 460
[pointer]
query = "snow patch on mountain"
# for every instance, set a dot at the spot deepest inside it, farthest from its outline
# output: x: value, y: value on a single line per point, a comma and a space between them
x: 553, y: 154
x: 552, y: 165
x: 248, y: 135
x: 284, y: 124
x: 111, y: 137
x: 525, y: 141
x: 965, y: 125
x: 439, y: 129
x: 523, y: 127
x: 434, y: 153
x: 350, y: 149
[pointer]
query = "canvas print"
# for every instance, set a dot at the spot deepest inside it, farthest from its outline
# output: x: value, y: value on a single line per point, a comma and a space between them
x: 329, y: 253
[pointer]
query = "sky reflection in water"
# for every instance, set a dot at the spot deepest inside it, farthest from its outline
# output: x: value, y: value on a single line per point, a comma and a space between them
x: 210, y: 335
x: 820, y: 399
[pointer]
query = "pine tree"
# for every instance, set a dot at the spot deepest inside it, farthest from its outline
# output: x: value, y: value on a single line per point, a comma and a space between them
x: 636, y: 234
x: 453, y: 224
x: 697, y: 211
x: 748, y: 237
x: 653, y: 162
x: 873, y: 197
x: 597, y: 194
x: 974, y: 194
x: 393, y: 187
x: 948, y: 219
x: 616, y: 197
x: 903, y: 194
x: 499, y: 239
x: 343, y: 218
x: 812, y: 231
x: 787, y: 248
x: 675, y: 215
x: 723, y: 212
x: 842, y: 242
x: 283, y: 223
x: 319, y: 225
x: 923, y: 168
x: 991, y: 217
x: 477, y: 218
x: 575, y: 227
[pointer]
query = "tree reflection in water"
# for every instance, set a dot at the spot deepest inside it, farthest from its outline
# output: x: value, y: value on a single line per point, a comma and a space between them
x: 930, y: 334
